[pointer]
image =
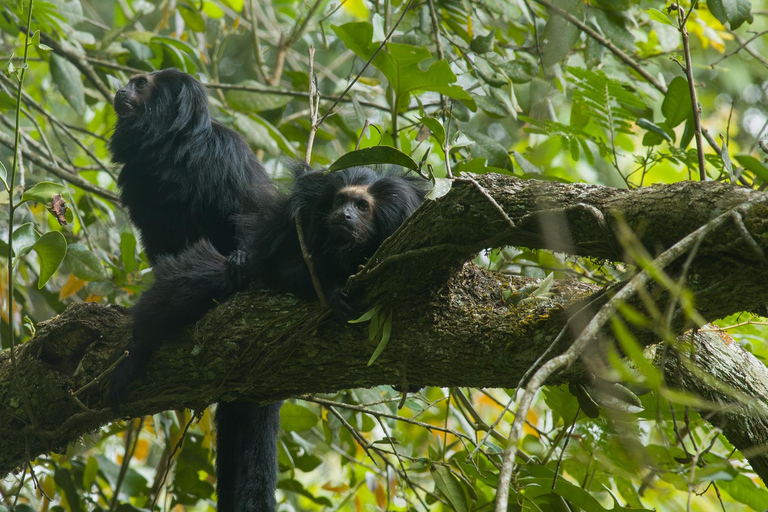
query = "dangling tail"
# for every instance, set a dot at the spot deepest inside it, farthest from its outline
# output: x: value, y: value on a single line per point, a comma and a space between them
x: 246, y: 456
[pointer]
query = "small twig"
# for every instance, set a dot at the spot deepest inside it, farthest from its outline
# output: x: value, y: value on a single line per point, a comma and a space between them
x: 103, y: 374
x: 400, y: 461
x: 314, y: 105
x: 447, y: 145
x: 565, y: 445
x: 365, y: 66
x: 308, y: 261
x: 362, y: 133
x: 129, y: 450
x: 173, y: 453
x: 742, y: 44
x: 353, y: 432
x: 683, y: 18
x: 256, y: 41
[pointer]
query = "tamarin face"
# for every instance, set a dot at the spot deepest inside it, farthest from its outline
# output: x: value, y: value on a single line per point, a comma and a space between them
x: 351, y: 218
x: 130, y: 100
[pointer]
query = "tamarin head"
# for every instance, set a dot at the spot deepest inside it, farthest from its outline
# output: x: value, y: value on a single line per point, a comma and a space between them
x: 351, y: 219
x: 357, y: 208
x: 155, y: 108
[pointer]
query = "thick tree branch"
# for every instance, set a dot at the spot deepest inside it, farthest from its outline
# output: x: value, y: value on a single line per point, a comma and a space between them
x: 451, y: 328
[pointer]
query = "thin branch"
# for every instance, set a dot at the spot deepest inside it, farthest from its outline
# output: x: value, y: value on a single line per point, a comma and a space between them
x: 365, y: 66
x: 585, y: 338
x: 65, y: 172
x: 692, y: 88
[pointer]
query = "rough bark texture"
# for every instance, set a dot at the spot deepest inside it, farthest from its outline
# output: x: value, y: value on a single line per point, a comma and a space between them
x: 451, y: 325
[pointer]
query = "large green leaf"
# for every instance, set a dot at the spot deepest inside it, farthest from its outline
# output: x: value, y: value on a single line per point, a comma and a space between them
x: 24, y: 238
x: 560, y: 34
x: 51, y: 249
x: 373, y: 156
x: 67, y: 77
x: 43, y: 192
x: 296, y: 418
x: 450, y: 487
x: 677, y: 102
x: 400, y: 63
x: 84, y: 264
x: 734, y: 12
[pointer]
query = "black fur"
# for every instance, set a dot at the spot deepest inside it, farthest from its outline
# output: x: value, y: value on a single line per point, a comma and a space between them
x: 273, y: 245
x: 184, y: 180
x: 188, y: 284
x: 184, y: 177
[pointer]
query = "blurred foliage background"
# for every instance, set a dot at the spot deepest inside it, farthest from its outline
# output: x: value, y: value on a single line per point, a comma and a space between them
x: 598, y: 96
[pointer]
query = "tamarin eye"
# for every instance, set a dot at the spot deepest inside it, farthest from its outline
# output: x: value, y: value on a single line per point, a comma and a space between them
x: 338, y: 201
x: 362, y: 206
x: 140, y: 82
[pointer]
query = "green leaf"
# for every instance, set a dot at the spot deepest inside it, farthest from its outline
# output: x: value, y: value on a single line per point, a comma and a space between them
x: 386, y: 331
x: 295, y: 487
x: 733, y: 12
x: 4, y: 175
x: 488, y: 148
x: 250, y: 101
x: 744, y: 490
x: 235, y: 5
x: 450, y: 487
x: 560, y: 34
x: 67, y: 78
x: 442, y: 187
x: 753, y: 165
x: 436, y: 128
x: 139, y: 51
x: 212, y: 10
x: 632, y: 349
x: 192, y: 18
x: 660, y: 17
x: 526, y: 166
x: 364, y: 317
x: 43, y: 192
x: 256, y: 133
x: 521, y: 70
x: 51, y: 249
x: 24, y: 238
x: 90, y: 472
x: 296, y: 418
x: 373, y: 156
x: 128, y: 251
x: 400, y: 63
x: 653, y: 127
x: 677, y: 102
x: 561, y: 402
x: 84, y: 264
x: 483, y: 44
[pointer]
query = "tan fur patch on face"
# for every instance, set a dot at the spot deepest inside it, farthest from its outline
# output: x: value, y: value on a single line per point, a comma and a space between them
x: 359, y: 191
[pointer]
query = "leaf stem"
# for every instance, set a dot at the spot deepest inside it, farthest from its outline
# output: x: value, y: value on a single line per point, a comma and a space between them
x: 11, y: 210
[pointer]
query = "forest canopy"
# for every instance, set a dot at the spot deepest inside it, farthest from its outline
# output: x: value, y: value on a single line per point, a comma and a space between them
x: 578, y: 309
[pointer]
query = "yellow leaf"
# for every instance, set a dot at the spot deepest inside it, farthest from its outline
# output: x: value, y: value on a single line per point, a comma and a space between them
x: 357, y: 9
x: 73, y: 285
x: 369, y: 81
x: 93, y: 298
x: 142, y: 450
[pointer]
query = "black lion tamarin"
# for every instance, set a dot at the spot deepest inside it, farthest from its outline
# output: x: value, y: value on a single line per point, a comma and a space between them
x: 345, y: 216
x: 185, y: 178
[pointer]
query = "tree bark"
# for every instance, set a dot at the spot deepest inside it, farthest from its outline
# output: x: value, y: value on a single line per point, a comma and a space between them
x: 451, y: 323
